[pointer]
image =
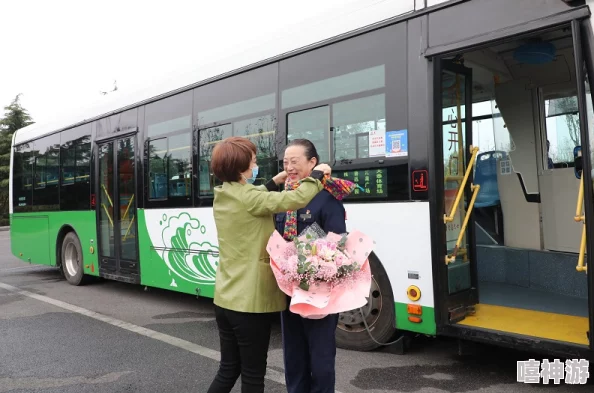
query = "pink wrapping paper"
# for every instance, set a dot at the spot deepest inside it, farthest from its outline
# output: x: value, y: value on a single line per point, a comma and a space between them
x: 320, y: 300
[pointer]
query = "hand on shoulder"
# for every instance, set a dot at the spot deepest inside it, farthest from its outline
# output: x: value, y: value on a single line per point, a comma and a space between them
x: 324, y: 168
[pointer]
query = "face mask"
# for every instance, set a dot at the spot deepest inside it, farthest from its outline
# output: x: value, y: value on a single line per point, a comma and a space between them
x: 254, y: 174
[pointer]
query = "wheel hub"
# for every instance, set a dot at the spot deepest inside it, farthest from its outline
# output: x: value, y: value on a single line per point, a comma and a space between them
x: 352, y: 321
x: 71, y: 259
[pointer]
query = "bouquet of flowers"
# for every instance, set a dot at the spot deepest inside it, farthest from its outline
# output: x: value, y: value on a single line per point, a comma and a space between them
x: 322, y: 273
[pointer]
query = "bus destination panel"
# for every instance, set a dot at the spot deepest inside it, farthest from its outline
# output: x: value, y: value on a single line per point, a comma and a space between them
x: 370, y: 182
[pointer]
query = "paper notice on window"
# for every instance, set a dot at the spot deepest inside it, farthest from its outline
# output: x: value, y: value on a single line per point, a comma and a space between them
x: 377, y: 143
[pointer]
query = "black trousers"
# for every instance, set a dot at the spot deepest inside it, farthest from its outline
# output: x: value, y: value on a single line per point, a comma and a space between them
x: 310, y: 353
x: 245, y: 338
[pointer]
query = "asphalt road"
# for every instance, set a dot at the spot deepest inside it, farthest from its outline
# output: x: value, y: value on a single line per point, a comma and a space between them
x: 115, y: 337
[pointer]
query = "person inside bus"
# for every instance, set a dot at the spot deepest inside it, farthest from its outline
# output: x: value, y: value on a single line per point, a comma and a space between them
x: 247, y: 298
x: 309, y: 345
x: 549, y: 159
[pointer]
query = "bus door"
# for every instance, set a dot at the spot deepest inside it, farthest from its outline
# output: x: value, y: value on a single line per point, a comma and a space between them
x: 514, y: 216
x: 583, y: 40
x: 116, y: 210
x: 456, y: 271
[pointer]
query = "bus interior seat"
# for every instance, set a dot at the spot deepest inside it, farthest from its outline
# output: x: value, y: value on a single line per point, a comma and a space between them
x: 486, y: 177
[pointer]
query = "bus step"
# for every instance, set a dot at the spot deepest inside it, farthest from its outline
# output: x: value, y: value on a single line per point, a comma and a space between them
x: 458, y: 276
x: 457, y: 314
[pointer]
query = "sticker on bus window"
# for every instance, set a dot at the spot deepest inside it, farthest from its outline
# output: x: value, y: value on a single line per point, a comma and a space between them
x: 397, y: 143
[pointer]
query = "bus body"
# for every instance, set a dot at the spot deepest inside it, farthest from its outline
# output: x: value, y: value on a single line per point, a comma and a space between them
x: 462, y: 121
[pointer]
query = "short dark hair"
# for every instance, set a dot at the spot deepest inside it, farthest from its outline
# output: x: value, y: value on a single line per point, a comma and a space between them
x: 231, y: 157
x: 310, y: 148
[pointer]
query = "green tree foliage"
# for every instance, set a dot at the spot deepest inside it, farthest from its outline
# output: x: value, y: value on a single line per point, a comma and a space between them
x: 15, y: 117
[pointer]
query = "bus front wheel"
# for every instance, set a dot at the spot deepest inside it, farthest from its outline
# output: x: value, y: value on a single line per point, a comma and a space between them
x: 72, y: 259
x: 377, y: 316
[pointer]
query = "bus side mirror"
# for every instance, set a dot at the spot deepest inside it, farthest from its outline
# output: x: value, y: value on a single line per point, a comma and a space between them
x: 577, y: 162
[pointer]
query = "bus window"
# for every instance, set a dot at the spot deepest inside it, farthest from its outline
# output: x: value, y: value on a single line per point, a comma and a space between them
x: 157, y: 150
x: 243, y: 105
x: 82, y: 157
x: 169, y: 130
x: 354, y: 82
x: 353, y: 120
x: 68, y: 163
x: 170, y: 115
x: 180, y: 165
x: 261, y: 130
x: 312, y: 124
x: 562, y: 131
x: 46, y: 186
x: 170, y: 167
x: 75, y: 158
x: 23, y: 178
x: 207, y: 139
x: 40, y: 164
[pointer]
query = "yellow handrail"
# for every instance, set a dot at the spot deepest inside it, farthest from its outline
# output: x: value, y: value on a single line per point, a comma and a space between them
x: 128, y: 230
x: 580, y: 217
x: 449, y: 218
x: 580, y: 266
x: 107, y: 212
x: 107, y: 195
x: 475, y: 190
x: 580, y: 202
x: 128, y: 208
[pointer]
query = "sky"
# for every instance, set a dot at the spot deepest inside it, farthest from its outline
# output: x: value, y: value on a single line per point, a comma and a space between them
x: 60, y: 54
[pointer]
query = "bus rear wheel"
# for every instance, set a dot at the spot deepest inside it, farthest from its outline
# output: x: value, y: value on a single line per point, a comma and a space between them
x: 378, y: 314
x: 72, y: 259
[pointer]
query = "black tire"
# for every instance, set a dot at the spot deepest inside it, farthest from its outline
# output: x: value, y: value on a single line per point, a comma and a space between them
x: 379, y: 312
x: 72, y: 260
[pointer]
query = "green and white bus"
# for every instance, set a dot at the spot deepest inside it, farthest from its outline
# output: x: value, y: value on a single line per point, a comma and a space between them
x: 462, y: 121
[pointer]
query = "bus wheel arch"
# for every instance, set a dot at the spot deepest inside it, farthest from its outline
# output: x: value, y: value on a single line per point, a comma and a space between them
x: 379, y: 314
x: 69, y: 256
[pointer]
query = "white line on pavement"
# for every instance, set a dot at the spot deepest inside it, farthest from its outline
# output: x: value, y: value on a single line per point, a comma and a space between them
x: 271, y: 374
x: 33, y: 267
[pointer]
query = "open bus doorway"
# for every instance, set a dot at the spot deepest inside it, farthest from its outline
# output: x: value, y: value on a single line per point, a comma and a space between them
x: 511, y: 131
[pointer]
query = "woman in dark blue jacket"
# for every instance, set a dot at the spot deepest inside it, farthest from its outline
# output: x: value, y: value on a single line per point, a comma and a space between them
x: 309, y: 344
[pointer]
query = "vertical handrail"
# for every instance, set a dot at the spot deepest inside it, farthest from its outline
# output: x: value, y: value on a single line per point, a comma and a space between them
x: 581, y: 267
x: 580, y: 217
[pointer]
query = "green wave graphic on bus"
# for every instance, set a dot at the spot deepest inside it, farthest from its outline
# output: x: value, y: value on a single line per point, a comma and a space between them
x: 185, y: 253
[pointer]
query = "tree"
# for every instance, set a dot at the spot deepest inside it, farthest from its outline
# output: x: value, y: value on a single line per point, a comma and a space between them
x: 15, y: 118
x: 568, y: 106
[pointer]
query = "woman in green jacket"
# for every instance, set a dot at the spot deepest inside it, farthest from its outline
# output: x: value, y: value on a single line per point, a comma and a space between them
x: 247, y: 298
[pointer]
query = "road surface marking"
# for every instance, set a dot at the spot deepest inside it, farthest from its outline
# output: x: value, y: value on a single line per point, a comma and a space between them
x: 271, y: 374
x: 34, y: 267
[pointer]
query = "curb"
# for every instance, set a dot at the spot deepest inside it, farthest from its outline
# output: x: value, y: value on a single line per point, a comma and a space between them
x: 3, y: 229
